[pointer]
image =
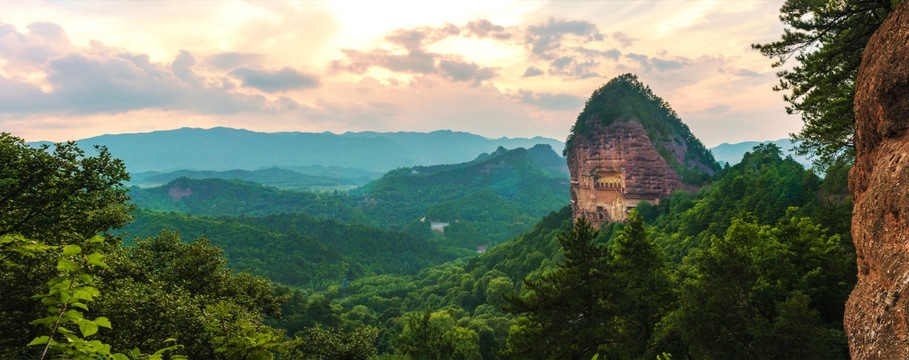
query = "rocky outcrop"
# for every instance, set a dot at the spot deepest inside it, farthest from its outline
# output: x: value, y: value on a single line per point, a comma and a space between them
x: 614, y: 169
x: 877, y: 313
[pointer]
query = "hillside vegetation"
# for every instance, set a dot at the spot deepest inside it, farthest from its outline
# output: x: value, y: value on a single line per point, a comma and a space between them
x: 298, y: 250
x: 768, y: 240
x: 485, y: 201
x: 627, y: 98
x: 276, y: 177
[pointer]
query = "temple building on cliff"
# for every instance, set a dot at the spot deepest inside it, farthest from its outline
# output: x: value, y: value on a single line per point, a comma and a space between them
x: 625, y: 148
x: 614, y: 170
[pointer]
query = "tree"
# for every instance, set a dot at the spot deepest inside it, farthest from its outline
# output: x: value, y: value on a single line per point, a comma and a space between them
x: 48, y: 199
x: 325, y: 344
x: 564, y: 312
x: 643, y: 291
x: 827, y: 39
x: 61, y: 196
x: 435, y: 335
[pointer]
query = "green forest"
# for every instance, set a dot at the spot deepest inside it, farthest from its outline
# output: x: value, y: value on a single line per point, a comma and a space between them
x: 768, y: 239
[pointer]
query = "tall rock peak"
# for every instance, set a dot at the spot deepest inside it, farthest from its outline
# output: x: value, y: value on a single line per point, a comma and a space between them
x: 877, y: 312
x: 629, y: 146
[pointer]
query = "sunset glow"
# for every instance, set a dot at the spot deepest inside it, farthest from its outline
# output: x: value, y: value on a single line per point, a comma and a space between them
x: 75, y: 69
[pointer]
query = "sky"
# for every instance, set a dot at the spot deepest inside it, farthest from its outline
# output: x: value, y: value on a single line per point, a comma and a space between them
x: 75, y: 69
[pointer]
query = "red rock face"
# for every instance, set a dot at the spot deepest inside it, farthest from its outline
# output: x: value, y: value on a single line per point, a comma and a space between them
x: 877, y: 313
x: 615, y: 169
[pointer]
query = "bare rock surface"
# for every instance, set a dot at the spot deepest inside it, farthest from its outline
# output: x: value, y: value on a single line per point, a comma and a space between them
x: 615, y: 169
x: 877, y: 312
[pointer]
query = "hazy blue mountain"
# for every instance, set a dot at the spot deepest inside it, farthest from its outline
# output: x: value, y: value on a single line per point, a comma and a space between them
x: 222, y: 149
x: 732, y: 153
x: 276, y: 177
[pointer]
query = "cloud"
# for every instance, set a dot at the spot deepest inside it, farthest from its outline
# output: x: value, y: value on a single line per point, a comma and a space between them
x: 29, y: 51
x: 611, y: 53
x: 275, y: 81
x: 532, y: 71
x: 664, y: 64
x: 641, y: 59
x: 543, y: 39
x: 415, y: 39
x: 414, y: 62
x: 485, y: 28
x: 717, y: 109
x: 232, y: 59
x: 551, y: 101
x: 70, y: 80
x: 182, y: 67
x: 746, y: 72
x: 462, y: 71
x: 410, y: 39
x: 571, y: 67
x: 661, y: 65
x: 623, y: 38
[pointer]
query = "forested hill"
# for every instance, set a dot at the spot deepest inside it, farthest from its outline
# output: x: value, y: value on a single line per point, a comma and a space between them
x: 732, y: 153
x: 229, y: 149
x: 299, y: 250
x: 276, y: 177
x: 486, y: 201
x: 761, y: 260
x: 220, y: 197
x: 625, y: 98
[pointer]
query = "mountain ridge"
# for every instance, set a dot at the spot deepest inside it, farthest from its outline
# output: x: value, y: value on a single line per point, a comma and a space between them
x: 223, y: 148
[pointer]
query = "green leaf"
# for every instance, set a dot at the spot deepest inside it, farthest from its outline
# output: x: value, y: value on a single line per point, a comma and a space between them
x: 95, y: 259
x: 86, y: 278
x: 103, y: 322
x: 49, y: 301
x: 119, y: 356
x: 72, y: 337
x: 44, y: 321
x: 67, y: 265
x: 88, y: 328
x: 92, y: 290
x: 96, y: 239
x: 39, y: 341
x: 71, y: 250
x: 82, y: 294
x: 80, y: 305
x: 73, y: 315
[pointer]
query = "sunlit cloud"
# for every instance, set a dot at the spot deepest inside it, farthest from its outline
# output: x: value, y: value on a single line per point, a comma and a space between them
x: 492, y: 68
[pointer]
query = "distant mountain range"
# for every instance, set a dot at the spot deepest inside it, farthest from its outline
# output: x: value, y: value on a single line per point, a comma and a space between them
x: 301, y: 178
x: 221, y: 149
x: 732, y: 153
x: 349, y: 158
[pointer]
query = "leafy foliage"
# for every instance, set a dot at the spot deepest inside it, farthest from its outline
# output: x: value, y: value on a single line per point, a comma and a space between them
x: 298, y: 250
x: 827, y: 39
x: 220, y: 197
x: 766, y: 228
x: 153, y: 293
x: 59, y: 196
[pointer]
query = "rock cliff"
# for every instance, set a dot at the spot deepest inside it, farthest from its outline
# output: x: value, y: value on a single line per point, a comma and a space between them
x: 877, y: 313
x: 628, y: 146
